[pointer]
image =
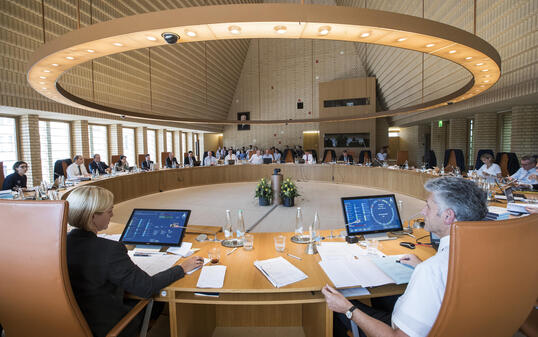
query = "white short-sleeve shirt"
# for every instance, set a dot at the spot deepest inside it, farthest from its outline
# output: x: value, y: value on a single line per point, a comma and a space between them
x: 493, y: 170
x: 73, y: 172
x: 416, y: 310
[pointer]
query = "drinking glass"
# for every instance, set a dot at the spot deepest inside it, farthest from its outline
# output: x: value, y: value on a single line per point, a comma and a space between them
x: 214, y: 255
x: 248, y: 242
x: 280, y: 243
x: 371, y: 246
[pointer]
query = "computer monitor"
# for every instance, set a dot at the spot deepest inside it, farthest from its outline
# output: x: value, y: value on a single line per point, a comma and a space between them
x: 231, y: 162
x: 267, y: 160
x: 156, y: 227
x: 371, y: 216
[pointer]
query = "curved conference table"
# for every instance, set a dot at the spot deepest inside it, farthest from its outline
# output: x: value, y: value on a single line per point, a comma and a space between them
x: 247, y: 298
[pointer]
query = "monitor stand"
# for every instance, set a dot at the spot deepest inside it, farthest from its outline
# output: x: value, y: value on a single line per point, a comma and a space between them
x: 147, y: 249
x: 377, y: 236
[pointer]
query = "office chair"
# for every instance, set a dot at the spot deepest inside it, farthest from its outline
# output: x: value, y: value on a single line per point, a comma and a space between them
x: 35, y: 292
x: 492, y: 277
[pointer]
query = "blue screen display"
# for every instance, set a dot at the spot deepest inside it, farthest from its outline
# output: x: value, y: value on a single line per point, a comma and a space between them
x: 158, y: 227
x: 371, y: 214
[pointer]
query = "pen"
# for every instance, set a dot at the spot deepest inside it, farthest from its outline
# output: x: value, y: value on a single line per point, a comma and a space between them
x: 231, y: 251
x: 295, y: 257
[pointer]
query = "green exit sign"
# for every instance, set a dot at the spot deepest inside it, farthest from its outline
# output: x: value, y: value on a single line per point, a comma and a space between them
x: 440, y: 124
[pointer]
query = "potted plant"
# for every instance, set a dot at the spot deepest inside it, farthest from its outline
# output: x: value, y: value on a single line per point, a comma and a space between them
x: 264, y: 192
x: 288, y: 191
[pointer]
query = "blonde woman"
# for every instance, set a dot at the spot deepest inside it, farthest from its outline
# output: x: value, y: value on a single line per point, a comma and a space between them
x: 100, y: 269
x: 489, y: 170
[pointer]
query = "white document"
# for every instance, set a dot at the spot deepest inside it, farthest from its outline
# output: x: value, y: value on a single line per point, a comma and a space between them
x: 113, y: 237
x: 153, y: 263
x: 353, y: 273
x: 351, y: 292
x: 212, y: 277
x: 330, y: 251
x: 184, y: 250
x: 520, y: 208
x: 206, y: 260
x: 280, y: 272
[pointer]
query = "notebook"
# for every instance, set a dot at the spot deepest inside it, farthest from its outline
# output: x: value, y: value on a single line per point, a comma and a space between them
x: 280, y: 272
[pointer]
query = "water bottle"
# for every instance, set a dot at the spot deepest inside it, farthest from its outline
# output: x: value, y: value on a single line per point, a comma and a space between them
x: 299, y: 223
x: 228, y: 233
x: 240, y: 230
x: 406, y: 165
x: 315, y: 227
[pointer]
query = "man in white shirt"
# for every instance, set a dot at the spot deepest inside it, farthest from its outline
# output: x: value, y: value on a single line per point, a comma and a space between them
x: 451, y: 199
x: 230, y: 156
x: 383, y: 154
x: 527, y: 169
x: 210, y: 160
x: 268, y: 155
x: 77, y: 170
x: 256, y: 158
x: 308, y: 158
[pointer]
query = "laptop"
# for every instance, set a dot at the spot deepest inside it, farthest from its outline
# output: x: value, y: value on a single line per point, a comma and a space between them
x: 371, y: 216
x: 267, y: 160
x: 156, y: 227
x: 231, y: 162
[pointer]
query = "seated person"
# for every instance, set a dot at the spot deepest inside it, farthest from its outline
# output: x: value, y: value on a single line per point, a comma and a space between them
x: 299, y: 151
x: 383, y: 154
x: 147, y: 163
x: 451, y: 199
x: 100, y: 269
x: 171, y: 161
x: 210, y: 160
x: 190, y: 160
x: 489, y: 170
x: 77, y: 169
x: 308, y: 158
x: 242, y: 155
x: 18, y: 178
x: 523, y: 176
x: 99, y: 166
x: 256, y: 158
x: 122, y: 165
x: 345, y: 157
x: 268, y: 155
x: 277, y: 155
x: 230, y: 156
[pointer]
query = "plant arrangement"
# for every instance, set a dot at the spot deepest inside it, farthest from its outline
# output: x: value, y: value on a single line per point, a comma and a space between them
x: 264, y: 192
x: 288, y: 191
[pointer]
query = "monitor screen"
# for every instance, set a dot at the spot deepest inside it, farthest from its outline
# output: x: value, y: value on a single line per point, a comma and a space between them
x: 371, y: 214
x: 160, y: 227
x: 267, y: 160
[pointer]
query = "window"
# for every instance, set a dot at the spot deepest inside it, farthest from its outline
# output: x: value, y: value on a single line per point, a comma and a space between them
x: 183, y: 143
x: 470, y: 159
x: 506, y: 132
x: 8, y: 143
x: 129, y: 145
x: 55, y: 140
x: 346, y: 102
x: 169, y: 145
x: 151, y: 145
x: 99, y: 141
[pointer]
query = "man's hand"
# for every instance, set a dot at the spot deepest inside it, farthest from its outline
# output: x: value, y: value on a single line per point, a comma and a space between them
x: 192, y: 263
x: 410, y: 260
x: 335, y: 301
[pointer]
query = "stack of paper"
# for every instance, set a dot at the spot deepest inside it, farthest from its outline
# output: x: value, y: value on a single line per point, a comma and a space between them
x: 113, y: 237
x: 354, y: 273
x: 520, y: 208
x: 211, y: 277
x: 280, y: 272
x: 153, y: 263
x: 329, y: 251
x: 497, y: 213
x: 184, y: 250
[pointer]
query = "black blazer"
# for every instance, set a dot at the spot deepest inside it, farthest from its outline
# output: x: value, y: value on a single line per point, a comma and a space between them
x: 349, y: 158
x: 100, y: 272
x: 101, y: 167
x: 187, y: 162
x: 170, y: 163
x: 145, y: 165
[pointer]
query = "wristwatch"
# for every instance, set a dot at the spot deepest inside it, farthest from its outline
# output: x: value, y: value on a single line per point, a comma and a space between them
x: 349, y: 313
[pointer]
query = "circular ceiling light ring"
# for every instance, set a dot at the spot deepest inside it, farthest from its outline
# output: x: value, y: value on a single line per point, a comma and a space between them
x: 258, y: 21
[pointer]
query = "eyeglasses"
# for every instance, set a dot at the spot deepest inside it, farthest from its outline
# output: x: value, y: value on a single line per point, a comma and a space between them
x: 23, y: 166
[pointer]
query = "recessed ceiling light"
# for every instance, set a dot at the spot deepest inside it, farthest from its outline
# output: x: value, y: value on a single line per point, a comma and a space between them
x: 70, y: 57
x: 480, y: 64
x: 117, y: 44
x: 401, y: 39
x: 280, y: 29
x: 55, y: 64
x: 44, y: 88
x: 365, y: 34
x: 190, y: 33
x: 487, y: 75
x: 482, y: 86
x: 324, y: 30
x: 234, y: 30
x: 468, y: 57
x: 485, y: 69
x: 46, y: 71
x: 486, y: 81
x: 429, y: 45
x: 91, y: 51
x: 42, y: 77
x: 452, y: 52
x: 341, y: 52
x: 151, y: 38
x: 42, y: 82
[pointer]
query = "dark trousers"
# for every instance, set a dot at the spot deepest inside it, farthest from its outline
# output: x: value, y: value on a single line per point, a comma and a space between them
x: 381, y: 310
x: 133, y: 329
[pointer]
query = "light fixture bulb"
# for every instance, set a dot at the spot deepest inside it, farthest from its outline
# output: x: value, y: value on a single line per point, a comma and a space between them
x: 365, y: 34
x: 70, y: 57
x: 402, y: 39
x: 117, y: 44
x: 280, y: 29
x: 429, y: 45
x: 468, y: 57
x: 55, y: 64
x: 485, y: 69
x: 452, y: 51
x: 234, y: 30
x: 42, y: 77
x: 190, y: 33
x: 324, y: 30
x: 91, y: 51
x: 46, y: 71
x: 480, y: 64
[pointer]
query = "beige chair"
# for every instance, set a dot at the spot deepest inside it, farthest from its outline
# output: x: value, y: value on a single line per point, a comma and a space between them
x: 35, y: 291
